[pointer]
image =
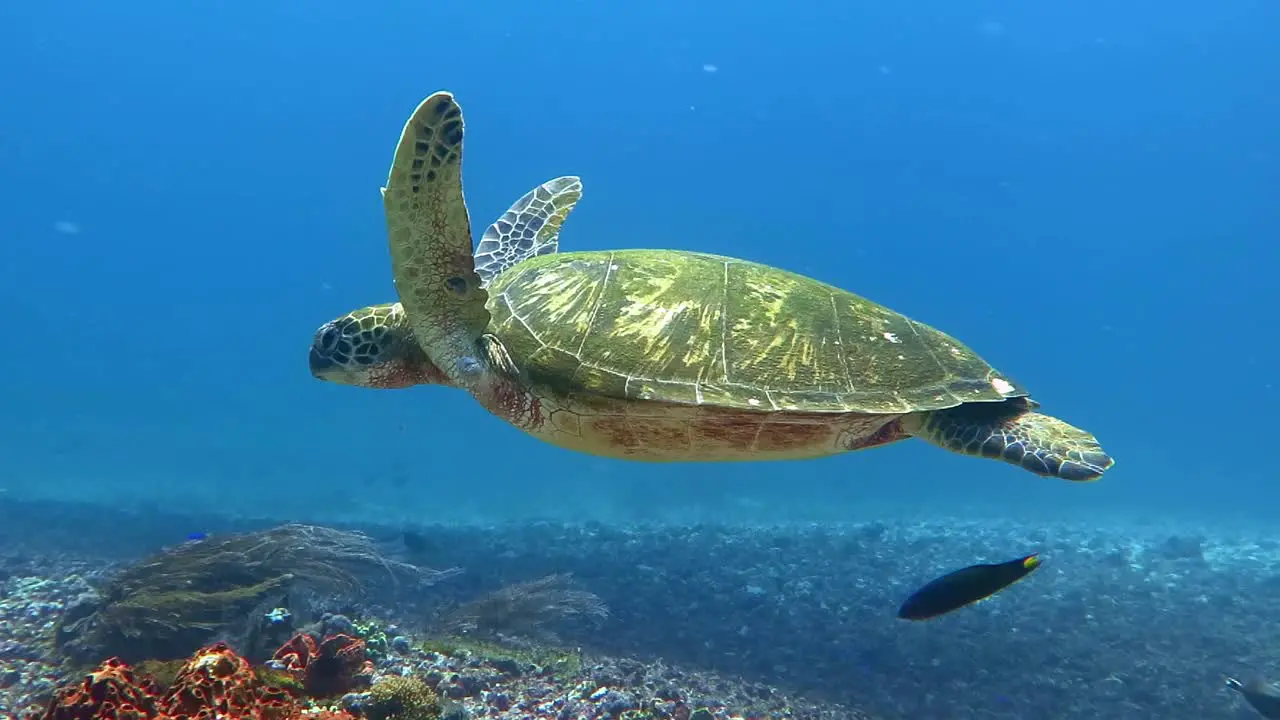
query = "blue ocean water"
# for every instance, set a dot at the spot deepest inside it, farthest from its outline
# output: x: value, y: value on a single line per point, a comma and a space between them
x: 1086, y: 194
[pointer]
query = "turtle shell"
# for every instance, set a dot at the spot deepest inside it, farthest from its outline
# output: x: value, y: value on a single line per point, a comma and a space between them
x: 699, y: 329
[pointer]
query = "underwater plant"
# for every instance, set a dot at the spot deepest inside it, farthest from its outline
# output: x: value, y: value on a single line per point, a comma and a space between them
x: 171, y: 603
x: 528, y: 610
x: 559, y: 662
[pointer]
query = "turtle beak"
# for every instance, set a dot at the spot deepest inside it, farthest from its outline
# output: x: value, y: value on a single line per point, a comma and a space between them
x: 320, y: 365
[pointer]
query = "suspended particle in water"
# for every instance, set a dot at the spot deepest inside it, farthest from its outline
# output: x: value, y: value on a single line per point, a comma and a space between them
x: 709, y: 68
x: 66, y: 227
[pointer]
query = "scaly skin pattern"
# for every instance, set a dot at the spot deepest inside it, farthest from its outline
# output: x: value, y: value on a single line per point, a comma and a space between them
x: 529, y: 228
x: 1015, y: 433
x: 372, y: 347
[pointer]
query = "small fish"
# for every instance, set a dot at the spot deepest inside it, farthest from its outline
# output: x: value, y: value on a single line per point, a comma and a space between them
x: 962, y: 587
x: 1263, y: 696
x: 197, y: 536
x: 278, y: 615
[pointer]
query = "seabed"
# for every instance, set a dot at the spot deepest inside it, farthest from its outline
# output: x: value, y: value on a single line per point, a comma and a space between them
x: 568, y: 621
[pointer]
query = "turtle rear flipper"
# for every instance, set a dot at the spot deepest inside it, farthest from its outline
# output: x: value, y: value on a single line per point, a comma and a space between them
x: 1011, y: 431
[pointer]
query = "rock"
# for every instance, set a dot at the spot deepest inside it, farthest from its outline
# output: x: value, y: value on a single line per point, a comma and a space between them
x: 616, y: 702
x: 499, y: 700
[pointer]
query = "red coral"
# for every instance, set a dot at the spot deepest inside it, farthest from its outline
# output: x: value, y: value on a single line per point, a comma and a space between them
x: 214, y: 684
x: 336, y: 665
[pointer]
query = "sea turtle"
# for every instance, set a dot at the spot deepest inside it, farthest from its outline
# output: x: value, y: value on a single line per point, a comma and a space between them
x: 663, y: 354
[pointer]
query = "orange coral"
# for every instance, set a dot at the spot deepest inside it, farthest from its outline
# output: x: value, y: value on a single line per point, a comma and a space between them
x: 214, y: 684
x: 335, y: 665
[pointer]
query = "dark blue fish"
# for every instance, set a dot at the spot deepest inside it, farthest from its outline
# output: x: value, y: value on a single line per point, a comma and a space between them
x: 196, y: 536
x: 1263, y: 696
x: 962, y: 587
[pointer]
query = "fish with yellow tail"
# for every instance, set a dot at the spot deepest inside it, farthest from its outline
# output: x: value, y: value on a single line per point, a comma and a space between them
x: 965, y: 587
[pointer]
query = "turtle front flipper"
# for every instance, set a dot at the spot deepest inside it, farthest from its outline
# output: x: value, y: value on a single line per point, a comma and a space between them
x: 1011, y: 431
x: 531, y: 227
x: 430, y: 238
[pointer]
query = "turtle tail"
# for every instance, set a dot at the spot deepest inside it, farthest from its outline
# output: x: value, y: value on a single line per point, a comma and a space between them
x: 1013, y: 432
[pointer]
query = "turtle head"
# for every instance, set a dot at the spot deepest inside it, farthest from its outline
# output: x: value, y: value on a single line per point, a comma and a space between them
x: 372, y: 347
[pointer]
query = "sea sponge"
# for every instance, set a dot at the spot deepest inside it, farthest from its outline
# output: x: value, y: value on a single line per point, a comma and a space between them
x: 215, y: 682
x: 333, y: 666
